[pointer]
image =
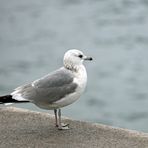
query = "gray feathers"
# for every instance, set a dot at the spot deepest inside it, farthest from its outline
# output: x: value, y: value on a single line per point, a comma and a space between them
x: 50, y: 88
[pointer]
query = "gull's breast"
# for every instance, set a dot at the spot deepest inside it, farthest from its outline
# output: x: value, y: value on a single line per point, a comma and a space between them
x: 81, y: 80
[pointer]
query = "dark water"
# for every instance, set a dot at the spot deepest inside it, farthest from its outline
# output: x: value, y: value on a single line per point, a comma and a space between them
x: 34, y: 34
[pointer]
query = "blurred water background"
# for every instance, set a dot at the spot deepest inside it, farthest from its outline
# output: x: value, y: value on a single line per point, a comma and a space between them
x: 34, y: 34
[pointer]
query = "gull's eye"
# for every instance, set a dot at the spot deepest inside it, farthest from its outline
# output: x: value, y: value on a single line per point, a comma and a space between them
x: 80, y: 56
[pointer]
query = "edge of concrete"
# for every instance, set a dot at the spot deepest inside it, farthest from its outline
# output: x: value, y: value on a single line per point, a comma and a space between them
x: 16, y: 123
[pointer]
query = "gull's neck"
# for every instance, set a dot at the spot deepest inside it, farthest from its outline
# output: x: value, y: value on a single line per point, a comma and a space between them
x: 80, y: 75
x: 74, y: 68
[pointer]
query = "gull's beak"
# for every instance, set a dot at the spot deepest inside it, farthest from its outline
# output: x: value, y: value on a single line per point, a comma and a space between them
x: 88, y: 58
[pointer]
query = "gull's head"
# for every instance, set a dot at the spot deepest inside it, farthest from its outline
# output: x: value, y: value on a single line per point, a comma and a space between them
x: 74, y: 58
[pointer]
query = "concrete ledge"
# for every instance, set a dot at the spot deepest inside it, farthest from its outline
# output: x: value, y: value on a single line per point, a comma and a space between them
x: 23, y: 128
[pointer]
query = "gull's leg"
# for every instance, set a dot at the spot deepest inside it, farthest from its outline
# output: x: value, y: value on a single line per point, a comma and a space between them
x: 59, y: 115
x: 56, y: 117
x: 61, y: 125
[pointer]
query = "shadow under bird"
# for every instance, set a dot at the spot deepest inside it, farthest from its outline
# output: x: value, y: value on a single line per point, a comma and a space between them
x: 55, y: 90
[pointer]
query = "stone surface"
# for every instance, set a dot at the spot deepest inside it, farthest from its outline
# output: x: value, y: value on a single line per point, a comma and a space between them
x: 23, y: 128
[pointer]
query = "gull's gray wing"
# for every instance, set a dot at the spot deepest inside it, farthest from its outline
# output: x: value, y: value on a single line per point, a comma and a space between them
x: 50, y: 88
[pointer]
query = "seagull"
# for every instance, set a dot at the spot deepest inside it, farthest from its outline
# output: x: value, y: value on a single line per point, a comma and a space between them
x: 55, y: 90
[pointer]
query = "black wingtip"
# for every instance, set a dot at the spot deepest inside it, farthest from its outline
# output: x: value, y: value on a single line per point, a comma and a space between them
x: 9, y: 99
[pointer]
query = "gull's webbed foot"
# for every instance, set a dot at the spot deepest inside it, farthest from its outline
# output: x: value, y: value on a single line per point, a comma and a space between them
x: 63, y: 126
